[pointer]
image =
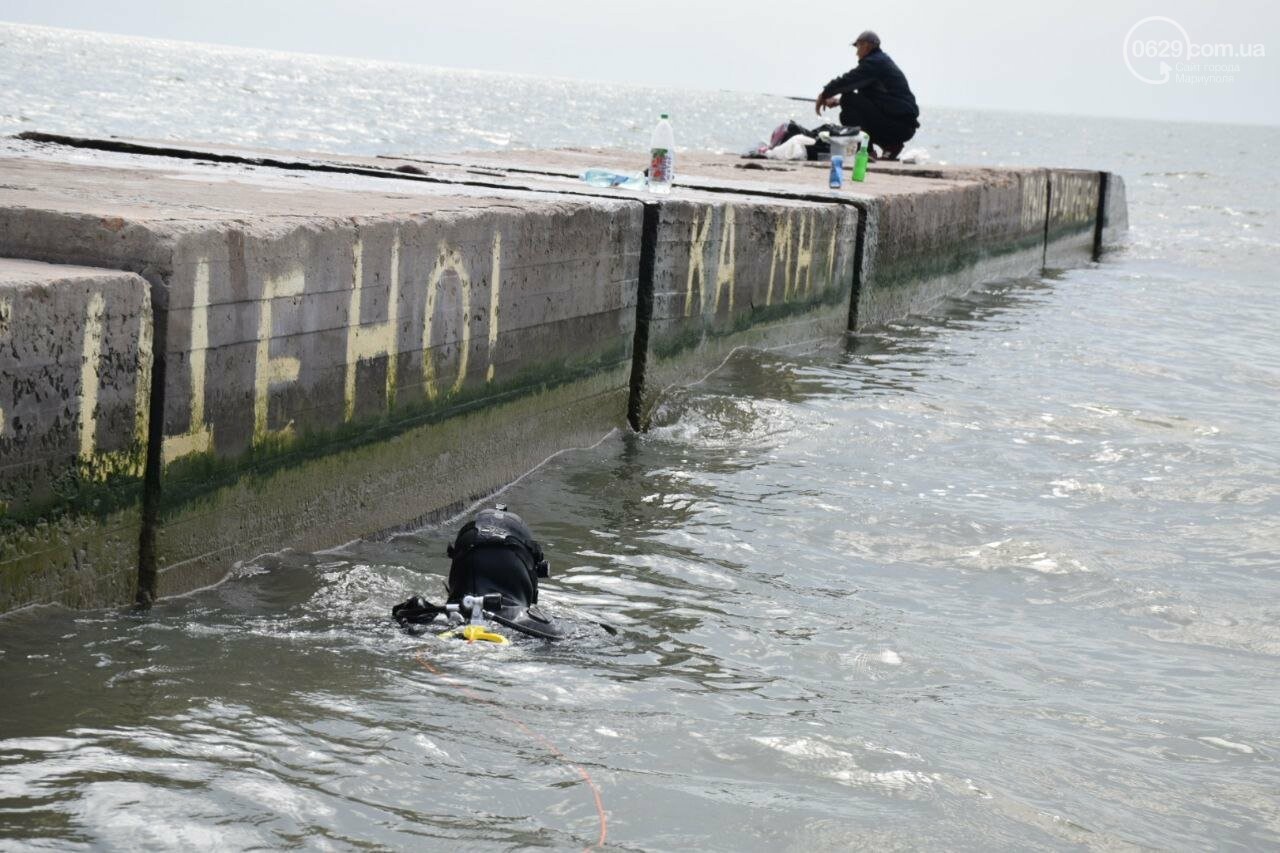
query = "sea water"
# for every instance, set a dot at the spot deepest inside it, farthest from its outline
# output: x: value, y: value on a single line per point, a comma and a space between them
x: 1001, y: 577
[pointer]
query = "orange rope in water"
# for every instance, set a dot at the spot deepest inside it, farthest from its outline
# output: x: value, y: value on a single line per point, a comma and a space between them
x: 542, y: 739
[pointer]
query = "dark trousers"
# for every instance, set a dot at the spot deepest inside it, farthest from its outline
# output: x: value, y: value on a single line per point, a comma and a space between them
x: 884, y: 130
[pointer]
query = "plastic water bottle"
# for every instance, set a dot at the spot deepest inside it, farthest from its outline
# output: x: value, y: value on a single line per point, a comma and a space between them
x: 860, y: 159
x: 662, y: 150
x: 607, y: 178
x: 837, y: 166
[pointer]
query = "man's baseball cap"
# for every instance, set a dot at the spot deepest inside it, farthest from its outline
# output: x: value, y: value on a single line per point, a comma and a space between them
x: 868, y: 36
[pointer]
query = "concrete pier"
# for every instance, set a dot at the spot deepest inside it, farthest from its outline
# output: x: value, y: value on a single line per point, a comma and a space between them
x: 259, y: 350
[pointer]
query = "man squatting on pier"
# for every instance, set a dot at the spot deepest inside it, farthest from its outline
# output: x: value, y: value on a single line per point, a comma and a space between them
x: 874, y: 96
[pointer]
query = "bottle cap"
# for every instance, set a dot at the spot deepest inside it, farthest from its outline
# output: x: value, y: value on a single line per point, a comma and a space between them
x: 664, y: 115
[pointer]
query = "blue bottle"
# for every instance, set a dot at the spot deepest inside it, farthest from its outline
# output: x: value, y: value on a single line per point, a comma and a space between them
x: 837, y: 171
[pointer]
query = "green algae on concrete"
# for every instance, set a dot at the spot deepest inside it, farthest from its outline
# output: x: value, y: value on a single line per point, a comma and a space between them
x: 428, y: 471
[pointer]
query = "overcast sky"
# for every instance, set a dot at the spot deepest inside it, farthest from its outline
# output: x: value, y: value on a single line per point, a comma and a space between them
x: 1008, y: 54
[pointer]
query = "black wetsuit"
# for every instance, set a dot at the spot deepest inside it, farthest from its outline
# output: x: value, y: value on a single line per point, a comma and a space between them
x: 876, y: 97
x: 493, y: 553
x: 489, y: 570
x: 496, y: 552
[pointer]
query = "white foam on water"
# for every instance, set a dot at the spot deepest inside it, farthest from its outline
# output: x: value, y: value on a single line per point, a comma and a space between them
x: 434, y: 750
x: 1242, y: 748
x: 819, y: 758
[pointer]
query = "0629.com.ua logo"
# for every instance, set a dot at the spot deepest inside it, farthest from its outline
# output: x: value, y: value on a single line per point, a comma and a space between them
x: 1158, y: 50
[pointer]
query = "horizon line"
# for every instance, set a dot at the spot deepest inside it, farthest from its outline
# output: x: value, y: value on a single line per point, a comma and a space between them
x: 557, y: 77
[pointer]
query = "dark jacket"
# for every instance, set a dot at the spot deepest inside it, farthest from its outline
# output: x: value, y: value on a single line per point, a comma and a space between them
x: 881, y: 81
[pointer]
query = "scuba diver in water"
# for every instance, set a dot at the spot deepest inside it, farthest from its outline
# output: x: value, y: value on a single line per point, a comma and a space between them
x: 493, y: 580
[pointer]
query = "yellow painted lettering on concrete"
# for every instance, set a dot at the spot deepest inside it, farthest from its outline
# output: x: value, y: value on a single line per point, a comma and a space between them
x: 1075, y: 198
x: 726, y: 263
x: 697, y: 262
x: 795, y: 257
x: 802, y: 279
x: 132, y: 460
x: 90, y: 357
x: 831, y: 257
x: 781, y: 257
x: 98, y: 464
x: 449, y: 260
x: 270, y: 371
x: 495, y: 290
x: 374, y: 339
x: 142, y: 391
x: 199, y: 436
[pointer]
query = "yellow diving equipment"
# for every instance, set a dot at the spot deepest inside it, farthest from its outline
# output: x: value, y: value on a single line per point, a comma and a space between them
x: 472, y: 633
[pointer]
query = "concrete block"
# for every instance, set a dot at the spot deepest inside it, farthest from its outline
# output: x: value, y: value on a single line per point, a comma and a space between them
x: 1070, y: 232
x: 972, y: 226
x: 919, y: 248
x: 1012, y: 207
x: 727, y: 265
x: 739, y: 270
x: 1115, y: 213
x: 75, y: 357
